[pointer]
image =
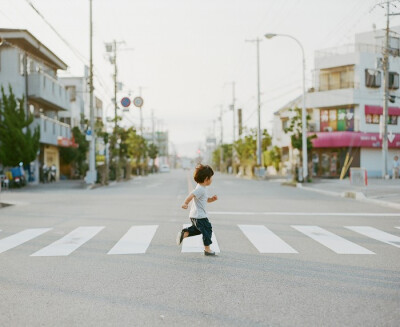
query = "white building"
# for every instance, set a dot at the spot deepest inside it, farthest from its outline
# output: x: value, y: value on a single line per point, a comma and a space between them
x: 31, y: 69
x: 346, y: 105
x: 78, y: 89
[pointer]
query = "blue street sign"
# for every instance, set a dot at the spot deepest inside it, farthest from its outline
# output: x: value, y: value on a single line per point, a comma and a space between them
x: 126, y: 102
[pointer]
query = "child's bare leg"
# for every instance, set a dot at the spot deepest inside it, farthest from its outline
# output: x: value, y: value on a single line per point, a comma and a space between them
x: 185, y: 234
x: 207, y: 248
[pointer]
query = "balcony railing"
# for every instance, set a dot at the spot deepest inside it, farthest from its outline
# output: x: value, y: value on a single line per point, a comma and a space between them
x: 48, y: 91
x: 51, y: 130
x: 348, y: 48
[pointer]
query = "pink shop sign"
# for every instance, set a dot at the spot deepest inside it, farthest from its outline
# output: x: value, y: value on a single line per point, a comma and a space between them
x: 351, y: 139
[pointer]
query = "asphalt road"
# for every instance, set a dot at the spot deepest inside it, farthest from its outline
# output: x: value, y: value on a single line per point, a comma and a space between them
x: 287, y: 257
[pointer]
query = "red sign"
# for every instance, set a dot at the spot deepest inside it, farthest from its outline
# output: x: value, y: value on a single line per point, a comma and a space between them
x: 66, y: 142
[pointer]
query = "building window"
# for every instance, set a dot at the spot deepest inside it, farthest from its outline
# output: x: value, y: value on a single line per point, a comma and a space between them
x: 336, y: 78
x: 285, y: 123
x: 393, y: 80
x: 72, y: 93
x: 372, y: 78
x: 375, y: 119
x: 337, y: 120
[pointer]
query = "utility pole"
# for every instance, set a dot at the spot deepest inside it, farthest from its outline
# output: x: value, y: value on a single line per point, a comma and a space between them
x: 91, y: 175
x: 141, y: 114
x: 385, y: 94
x: 152, y: 127
x: 234, y: 128
x: 257, y: 41
x: 115, y: 85
x: 221, y: 157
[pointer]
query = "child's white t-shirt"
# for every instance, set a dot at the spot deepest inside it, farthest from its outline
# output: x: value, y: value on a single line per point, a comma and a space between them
x: 198, y: 208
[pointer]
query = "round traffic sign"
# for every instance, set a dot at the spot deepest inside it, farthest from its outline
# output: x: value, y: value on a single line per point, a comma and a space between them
x: 126, y: 102
x: 138, y: 102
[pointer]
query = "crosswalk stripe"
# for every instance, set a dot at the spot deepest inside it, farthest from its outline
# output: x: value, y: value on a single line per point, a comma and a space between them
x: 195, y: 243
x: 264, y: 240
x: 332, y: 241
x: 136, y: 240
x: 20, y: 238
x: 69, y: 243
x: 376, y: 234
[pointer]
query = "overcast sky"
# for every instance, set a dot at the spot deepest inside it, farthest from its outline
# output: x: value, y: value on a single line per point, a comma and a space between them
x: 187, y: 53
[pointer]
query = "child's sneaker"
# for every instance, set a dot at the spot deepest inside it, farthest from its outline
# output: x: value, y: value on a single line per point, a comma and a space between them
x: 209, y: 253
x: 180, y: 237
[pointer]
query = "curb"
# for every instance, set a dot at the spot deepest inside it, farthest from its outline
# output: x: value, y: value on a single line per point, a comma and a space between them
x: 359, y: 196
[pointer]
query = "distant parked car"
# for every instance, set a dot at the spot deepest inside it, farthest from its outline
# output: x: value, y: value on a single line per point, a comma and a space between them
x: 164, y: 169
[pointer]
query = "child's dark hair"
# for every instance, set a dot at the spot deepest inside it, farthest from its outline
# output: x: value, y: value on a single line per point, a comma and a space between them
x: 201, y: 172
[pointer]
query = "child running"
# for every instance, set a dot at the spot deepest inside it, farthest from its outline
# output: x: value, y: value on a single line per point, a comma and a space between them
x: 198, y: 214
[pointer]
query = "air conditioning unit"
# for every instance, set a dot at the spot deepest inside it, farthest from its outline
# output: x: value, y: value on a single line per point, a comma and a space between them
x: 327, y: 129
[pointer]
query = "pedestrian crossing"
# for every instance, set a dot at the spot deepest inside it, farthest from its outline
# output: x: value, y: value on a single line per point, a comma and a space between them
x: 137, y: 240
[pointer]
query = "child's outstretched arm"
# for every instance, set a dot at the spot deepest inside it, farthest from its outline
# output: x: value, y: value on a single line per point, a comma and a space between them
x: 187, y: 200
x: 212, y: 199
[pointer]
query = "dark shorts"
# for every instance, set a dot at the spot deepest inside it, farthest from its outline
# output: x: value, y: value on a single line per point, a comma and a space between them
x: 201, y: 226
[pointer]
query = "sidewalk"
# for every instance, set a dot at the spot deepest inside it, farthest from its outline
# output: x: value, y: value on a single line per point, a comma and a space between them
x: 379, y: 191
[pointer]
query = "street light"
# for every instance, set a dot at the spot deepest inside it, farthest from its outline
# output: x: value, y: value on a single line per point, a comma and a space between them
x: 303, y: 111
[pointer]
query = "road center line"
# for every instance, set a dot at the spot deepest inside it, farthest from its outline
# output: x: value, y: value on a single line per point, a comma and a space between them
x: 354, y: 214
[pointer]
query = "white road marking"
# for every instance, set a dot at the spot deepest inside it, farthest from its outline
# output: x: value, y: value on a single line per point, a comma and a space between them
x: 332, y: 241
x: 376, y: 234
x: 69, y: 243
x: 354, y: 214
x: 20, y: 238
x: 195, y: 243
x: 264, y: 240
x: 136, y: 240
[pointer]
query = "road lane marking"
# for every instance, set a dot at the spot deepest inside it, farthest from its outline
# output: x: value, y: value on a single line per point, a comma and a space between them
x: 20, y: 238
x: 264, y: 240
x: 332, y: 241
x: 354, y: 214
x: 136, y: 240
x: 376, y: 234
x: 69, y: 243
x: 195, y: 243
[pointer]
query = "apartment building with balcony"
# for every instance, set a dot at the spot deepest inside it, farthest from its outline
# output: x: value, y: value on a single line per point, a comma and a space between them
x: 31, y: 69
x: 346, y: 102
x: 79, y: 108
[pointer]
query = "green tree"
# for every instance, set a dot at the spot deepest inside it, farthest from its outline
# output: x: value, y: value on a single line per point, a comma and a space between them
x: 296, y: 138
x: 137, y: 148
x: 295, y: 127
x: 18, y: 142
x: 246, y: 147
x: 153, y: 152
x: 272, y: 157
x: 77, y: 156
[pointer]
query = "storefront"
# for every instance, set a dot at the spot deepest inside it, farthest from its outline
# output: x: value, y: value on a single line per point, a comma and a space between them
x: 331, y: 148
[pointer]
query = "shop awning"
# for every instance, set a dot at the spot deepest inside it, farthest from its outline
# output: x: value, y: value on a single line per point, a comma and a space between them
x: 378, y: 110
x: 352, y: 139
